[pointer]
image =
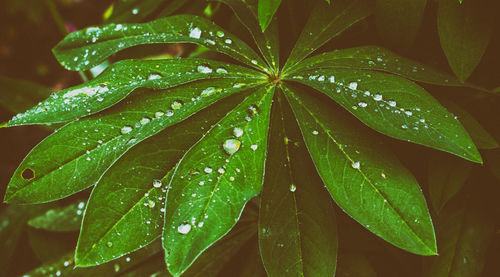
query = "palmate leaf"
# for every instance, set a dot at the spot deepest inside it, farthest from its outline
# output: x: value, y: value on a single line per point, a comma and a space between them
x: 60, y: 219
x: 325, y: 22
x: 87, y: 48
x: 393, y: 106
x: 126, y: 207
x: 363, y: 176
x: 464, y: 31
x: 119, y: 80
x: 267, y: 41
x: 80, y: 152
x: 297, y: 228
x: 214, y: 180
x: 379, y: 59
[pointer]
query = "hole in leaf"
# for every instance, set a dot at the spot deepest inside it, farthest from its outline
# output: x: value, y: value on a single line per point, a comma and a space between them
x: 28, y: 174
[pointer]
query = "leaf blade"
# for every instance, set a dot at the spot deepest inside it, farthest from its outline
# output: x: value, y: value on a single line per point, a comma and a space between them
x: 86, y: 48
x: 297, y: 227
x: 205, y: 202
x: 395, y: 107
x: 346, y: 160
x: 267, y: 9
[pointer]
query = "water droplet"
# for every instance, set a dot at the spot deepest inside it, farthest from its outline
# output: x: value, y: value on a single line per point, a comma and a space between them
x: 254, y: 147
x: 169, y: 113
x: 195, y: 33
x: 237, y: 132
x: 200, y: 224
x: 353, y: 85
x: 220, y: 33
x: 253, y: 110
x: 208, y: 170
x: 184, y: 228
x: 221, y: 70
x: 332, y: 79
x: 377, y: 97
x: 109, y: 244
x: 228, y: 41
x: 321, y: 78
x: 254, y: 61
x: 201, y: 183
x: 159, y: 114
x: 315, y: 132
x: 126, y: 129
x: 145, y: 120
x: 408, y: 113
x: 150, y: 204
x: 157, y: 183
x: 221, y: 170
x: 362, y: 104
x: 231, y: 146
x: 204, y: 69
x: 177, y: 104
x: 293, y: 188
x: 355, y: 165
x: 391, y: 103
x: 404, y: 126
x: 209, y: 91
x: 154, y: 76
x: 383, y: 175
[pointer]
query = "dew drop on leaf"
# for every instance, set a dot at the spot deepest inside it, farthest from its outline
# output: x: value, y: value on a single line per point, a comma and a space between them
x: 293, y: 188
x: 126, y: 129
x: 353, y: 85
x: 221, y: 70
x: 220, y: 33
x: 377, y: 97
x: 391, y: 103
x: 204, y: 69
x: 355, y: 165
x: 177, y: 104
x: 157, y: 183
x: 254, y: 147
x: 195, y: 33
x: 159, y: 114
x: 231, y: 146
x: 145, y: 120
x: 109, y: 244
x: 237, y: 132
x: 154, y: 76
x: 228, y: 41
x: 184, y: 228
x: 207, y: 170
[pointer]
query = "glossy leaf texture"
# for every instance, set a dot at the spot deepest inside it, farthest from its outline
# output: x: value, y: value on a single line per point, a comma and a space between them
x: 325, y: 22
x: 267, y: 41
x: 80, y: 152
x: 19, y: 95
x: 213, y: 181
x: 125, y: 210
x: 60, y: 219
x: 119, y: 80
x: 399, y: 21
x: 464, y: 31
x: 363, y: 177
x: 446, y: 176
x: 395, y: 107
x: 464, y: 234
x: 87, y: 48
x: 378, y: 59
x: 267, y: 9
x: 297, y: 228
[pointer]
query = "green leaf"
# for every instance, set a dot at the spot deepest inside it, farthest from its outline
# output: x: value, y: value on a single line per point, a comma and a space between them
x: 119, y: 80
x: 464, y: 31
x: 377, y: 59
x: 19, y: 95
x: 399, y: 21
x: 464, y: 234
x: 267, y: 9
x: 65, y: 266
x: 60, y: 219
x: 214, y: 180
x: 478, y: 134
x: 325, y: 22
x: 267, y: 41
x: 363, y: 176
x: 395, y: 107
x: 75, y: 156
x: 446, y: 176
x: 126, y: 207
x: 297, y: 228
x: 87, y: 48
